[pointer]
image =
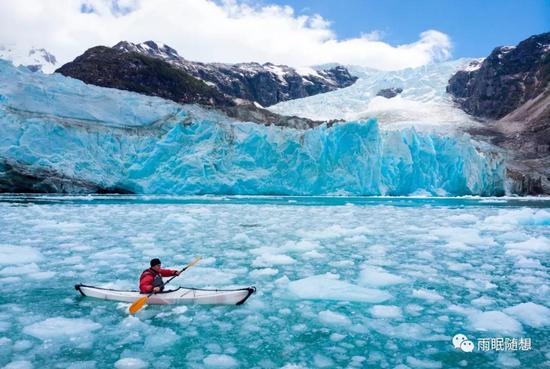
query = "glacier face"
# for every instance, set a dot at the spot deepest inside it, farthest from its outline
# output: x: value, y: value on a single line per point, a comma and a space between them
x: 424, y: 100
x: 88, y: 138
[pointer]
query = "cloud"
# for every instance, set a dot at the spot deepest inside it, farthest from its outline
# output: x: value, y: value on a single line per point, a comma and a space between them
x: 203, y: 30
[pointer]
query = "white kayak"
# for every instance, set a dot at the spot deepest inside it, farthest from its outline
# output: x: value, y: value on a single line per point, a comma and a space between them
x: 181, y: 295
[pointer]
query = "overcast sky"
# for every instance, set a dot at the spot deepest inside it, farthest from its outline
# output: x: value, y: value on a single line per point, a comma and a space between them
x: 203, y: 30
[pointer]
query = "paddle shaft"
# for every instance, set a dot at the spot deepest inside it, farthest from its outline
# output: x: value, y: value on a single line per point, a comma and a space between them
x: 181, y: 271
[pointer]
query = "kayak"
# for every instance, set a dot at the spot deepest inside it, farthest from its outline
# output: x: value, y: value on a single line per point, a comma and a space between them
x: 181, y: 295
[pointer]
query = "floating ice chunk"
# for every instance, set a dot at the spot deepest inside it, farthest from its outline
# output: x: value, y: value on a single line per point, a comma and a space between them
x: 463, y: 218
x: 272, y: 259
x: 18, y: 255
x: 378, y: 277
x: 220, y: 361
x: 208, y: 276
x: 494, y: 321
x: 532, y: 246
x: 529, y: 263
x: 468, y: 236
x: 332, y: 318
x: 20, y: 269
x: 4, y: 326
x: 482, y: 301
x: 313, y: 254
x: 427, y: 295
x: 42, y: 275
x: 333, y: 231
x: 22, y: 345
x: 408, y: 331
x: 131, y: 363
x: 265, y: 272
x: 337, y: 337
x: 19, y: 364
x: 90, y: 364
x: 508, y: 360
x: 329, y: 287
x: 414, y: 309
x: 531, y: 314
x: 385, y: 311
x: 321, y: 361
x: 303, y: 245
x: 524, y: 216
x: 61, y: 328
x: 458, y: 267
x: 423, y: 363
x: 117, y: 253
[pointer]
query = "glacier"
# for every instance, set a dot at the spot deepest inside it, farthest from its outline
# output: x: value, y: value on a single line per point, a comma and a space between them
x: 59, y: 134
x: 424, y: 101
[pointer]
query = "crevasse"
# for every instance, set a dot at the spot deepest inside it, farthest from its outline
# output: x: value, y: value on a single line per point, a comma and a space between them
x: 60, y: 127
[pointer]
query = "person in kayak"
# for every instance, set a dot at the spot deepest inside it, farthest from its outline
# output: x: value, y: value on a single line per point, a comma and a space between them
x: 151, y: 279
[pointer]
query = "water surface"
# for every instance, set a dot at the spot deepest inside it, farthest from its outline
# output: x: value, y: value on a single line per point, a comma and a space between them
x: 342, y: 281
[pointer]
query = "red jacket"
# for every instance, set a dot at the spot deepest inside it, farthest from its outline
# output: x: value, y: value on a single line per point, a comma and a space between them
x: 148, y: 276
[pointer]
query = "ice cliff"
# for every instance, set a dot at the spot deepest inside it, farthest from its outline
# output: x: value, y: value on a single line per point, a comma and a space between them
x: 59, y: 134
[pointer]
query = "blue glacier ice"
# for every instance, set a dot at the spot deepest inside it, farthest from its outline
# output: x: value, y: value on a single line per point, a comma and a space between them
x: 118, y: 139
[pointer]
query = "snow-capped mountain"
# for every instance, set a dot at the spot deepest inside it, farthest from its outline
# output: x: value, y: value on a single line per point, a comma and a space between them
x: 510, y: 91
x: 265, y: 84
x: 114, y: 68
x: 410, y: 96
x: 36, y: 59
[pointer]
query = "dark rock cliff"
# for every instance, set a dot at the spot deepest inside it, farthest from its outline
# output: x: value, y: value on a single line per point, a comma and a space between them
x: 510, y: 91
x: 267, y: 84
x: 134, y: 71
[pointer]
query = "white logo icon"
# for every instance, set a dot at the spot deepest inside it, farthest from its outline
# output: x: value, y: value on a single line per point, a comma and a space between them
x: 461, y: 342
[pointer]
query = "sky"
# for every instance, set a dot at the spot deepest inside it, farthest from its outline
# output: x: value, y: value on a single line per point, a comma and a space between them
x: 384, y: 34
x: 475, y: 26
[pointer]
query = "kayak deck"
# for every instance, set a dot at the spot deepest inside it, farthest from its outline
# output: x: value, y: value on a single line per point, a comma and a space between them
x: 181, y: 295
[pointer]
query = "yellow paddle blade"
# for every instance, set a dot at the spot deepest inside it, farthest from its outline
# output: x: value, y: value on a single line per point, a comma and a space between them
x: 138, y: 304
x: 193, y: 262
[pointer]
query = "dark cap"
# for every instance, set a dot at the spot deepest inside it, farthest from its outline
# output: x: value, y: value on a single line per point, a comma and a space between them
x: 154, y: 262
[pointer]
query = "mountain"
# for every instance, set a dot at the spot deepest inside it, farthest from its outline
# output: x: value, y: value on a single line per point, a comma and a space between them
x: 153, y: 76
x: 265, y: 84
x: 59, y: 134
x: 422, y: 99
x: 108, y: 67
x: 509, y: 78
x: 36, y: 59
x: 510, y: 91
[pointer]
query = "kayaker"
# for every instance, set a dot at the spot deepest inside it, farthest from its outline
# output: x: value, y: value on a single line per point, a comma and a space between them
x: 151, y: 279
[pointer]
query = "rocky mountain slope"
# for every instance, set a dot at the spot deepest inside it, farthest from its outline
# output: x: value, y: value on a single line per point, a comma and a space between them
x: 510, y: 90
x: 154, y: 76
x: 265, y: 84
x: 508, y: 78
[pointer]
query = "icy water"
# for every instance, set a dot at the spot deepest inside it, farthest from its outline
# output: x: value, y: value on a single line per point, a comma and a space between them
x: 342, y: 282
